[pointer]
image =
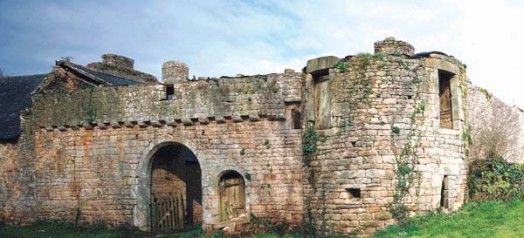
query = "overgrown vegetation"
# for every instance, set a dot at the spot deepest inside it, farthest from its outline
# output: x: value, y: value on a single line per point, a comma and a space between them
x: 478, y: 219
x: 496, y: 179
x: 89, y: 110
x: 486, y: 93
x: 309, y: 144
x: 494, y: 131
x: 360, y: 87
x: 65, y: 229
x: 405, y: 148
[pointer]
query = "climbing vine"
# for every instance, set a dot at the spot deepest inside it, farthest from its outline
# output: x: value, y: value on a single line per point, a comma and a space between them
x: 309, y: 144
x: 406, y: 157
x: 361, y: 87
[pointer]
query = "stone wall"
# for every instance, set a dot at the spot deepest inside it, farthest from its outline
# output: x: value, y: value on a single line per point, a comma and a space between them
x: 92, y: 149
x: 17, y: 177
x: 94, y: 171
x: 496, y: 128
x: 8, y: 174
x: 346, y: 146
x: 195, y: 101
x: 123, y: 67
x: 384, y: 122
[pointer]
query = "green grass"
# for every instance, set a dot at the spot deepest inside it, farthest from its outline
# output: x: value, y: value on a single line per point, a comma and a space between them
x: 479, y: 219
x: 61, y: 229
x: 68, y: 230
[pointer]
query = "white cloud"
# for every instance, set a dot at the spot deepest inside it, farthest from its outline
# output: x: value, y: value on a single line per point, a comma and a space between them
x: 251, y: 37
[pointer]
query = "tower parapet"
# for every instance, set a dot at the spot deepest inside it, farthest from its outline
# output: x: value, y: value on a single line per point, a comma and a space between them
x: 392, y: 46
x: 174, y: 71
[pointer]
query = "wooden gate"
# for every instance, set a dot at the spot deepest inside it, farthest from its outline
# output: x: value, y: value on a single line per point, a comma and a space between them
x: 232, y: 198
x: 167, y: 213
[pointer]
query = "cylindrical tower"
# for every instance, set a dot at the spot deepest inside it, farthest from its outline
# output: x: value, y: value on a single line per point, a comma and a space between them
x: 174, y: 71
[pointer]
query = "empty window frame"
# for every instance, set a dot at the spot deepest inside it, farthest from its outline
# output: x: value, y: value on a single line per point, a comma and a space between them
x: 296, y: 116
x: 170, y: 92
x: 446, y: 106
x: 321, y: 101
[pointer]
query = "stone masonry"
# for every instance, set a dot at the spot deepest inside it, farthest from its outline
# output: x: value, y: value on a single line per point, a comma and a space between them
x: 348, y: 145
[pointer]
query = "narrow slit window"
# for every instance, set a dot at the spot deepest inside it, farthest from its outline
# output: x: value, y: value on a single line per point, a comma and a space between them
x: 297, y: 119
x: 170, y: 92
x: 446, y: 107
x: 444, y: 193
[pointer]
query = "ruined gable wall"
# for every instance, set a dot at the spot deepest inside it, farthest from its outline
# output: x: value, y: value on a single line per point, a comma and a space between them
x: 257, y: 96
x: 489, y: 116
x: 17, y: 181
x: 8, y: 173
x: 89, y: 144
x: 373, y: 121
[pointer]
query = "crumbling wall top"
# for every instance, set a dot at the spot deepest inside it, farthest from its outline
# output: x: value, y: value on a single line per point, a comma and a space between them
x: 118, y: 61
x: 391, y: 45
x: 174, y: 71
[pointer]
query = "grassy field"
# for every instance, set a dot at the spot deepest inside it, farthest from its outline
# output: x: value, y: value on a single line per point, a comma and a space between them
x: 485, y: 219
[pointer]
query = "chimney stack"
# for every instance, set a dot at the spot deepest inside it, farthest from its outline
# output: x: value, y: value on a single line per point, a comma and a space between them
x: 118, y: 61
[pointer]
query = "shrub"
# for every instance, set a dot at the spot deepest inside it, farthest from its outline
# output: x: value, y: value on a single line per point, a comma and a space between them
x: 496, y: 179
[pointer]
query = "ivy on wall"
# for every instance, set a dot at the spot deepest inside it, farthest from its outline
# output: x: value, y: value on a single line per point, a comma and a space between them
x: 405, y: 143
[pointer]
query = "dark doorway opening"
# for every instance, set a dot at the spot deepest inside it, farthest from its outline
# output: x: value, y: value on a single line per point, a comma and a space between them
x: 444, y: 193
x: 176, y: 189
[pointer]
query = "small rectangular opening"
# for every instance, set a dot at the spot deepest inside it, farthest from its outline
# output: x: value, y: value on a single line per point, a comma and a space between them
x: 354, y: 192
x: 446, y: 107
x: 170, y: 92
x: 297, y: 119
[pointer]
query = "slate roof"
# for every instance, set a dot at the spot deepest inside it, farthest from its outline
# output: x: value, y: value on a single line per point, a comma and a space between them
x: 426, y: 54
x: 108, y: 79
x: 15, y: 96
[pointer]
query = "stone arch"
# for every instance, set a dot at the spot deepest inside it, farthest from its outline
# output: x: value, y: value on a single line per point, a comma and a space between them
x: 141, y: 190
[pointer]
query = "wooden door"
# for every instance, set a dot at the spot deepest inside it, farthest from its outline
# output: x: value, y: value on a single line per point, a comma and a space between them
x: 232, y: 198
x: 167, y: 213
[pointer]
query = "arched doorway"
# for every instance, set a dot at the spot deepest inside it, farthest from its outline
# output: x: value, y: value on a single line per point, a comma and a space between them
x: 175, y: 189
x: 232, y: 196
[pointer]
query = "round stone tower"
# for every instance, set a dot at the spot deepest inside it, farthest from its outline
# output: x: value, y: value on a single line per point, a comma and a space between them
x: 392, y: 46
x: 174, y: 71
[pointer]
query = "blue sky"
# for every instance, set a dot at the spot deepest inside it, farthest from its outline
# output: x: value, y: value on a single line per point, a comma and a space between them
x: 228, y: 37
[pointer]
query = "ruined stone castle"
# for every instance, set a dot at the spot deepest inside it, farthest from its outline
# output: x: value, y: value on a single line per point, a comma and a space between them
x: 347, y: 145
